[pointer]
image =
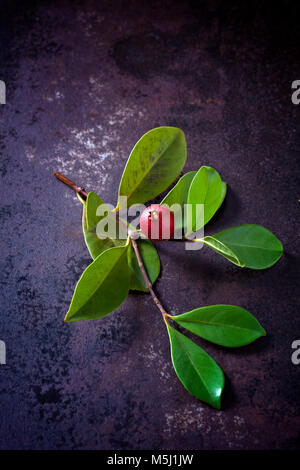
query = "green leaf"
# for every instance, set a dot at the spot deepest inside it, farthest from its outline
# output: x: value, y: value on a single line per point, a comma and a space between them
x: 150, y: 260
x: 154, y: 163
x: 224, y: 192
x: 94, y: 244
x: 226, y: 325
x: 103, y: 286
x: 93, y: 201
x: 179, y: 194
x: 108, y: 216
x: 206, y: 188
x: 251, y: 246
x: 222, y: 249
x: 90, y: 220
x: 197, y: 371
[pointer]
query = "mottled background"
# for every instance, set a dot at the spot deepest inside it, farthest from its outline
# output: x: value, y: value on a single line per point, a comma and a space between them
x: 85, y: 79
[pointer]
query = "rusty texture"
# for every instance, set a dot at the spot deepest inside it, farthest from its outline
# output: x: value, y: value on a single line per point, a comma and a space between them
x: 85, y: 80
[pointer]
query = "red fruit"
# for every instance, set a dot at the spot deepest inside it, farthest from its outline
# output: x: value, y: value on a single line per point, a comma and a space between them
x: 157, y: 222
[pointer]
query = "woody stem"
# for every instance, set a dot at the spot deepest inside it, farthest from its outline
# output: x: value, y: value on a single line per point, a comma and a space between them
x: 147, y: 281
x: 78, y: 189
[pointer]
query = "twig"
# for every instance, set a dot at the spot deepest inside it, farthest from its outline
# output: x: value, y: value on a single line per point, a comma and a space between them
x: 78, y: 189
x: 147, y: 281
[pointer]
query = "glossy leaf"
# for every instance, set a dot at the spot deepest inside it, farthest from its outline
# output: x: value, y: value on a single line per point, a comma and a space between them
x: 151, y: 263
x: 154, y: 163
x: 197, y: 371
x: 226, y: 325
x: 208, y: 189
x: 94, y: 244
x: 224, y: 192
x: 108, y: 216
x: 103, y: 286
x: 222, y: 249
x: 93, y: 201
x: 249, y: 245
x: 179, y: 194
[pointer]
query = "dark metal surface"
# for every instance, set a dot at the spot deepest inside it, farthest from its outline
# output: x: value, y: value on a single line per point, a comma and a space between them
x: 85, y: 80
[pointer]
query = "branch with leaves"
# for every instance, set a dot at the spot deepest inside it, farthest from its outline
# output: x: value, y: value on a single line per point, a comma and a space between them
x: 133, y: 264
